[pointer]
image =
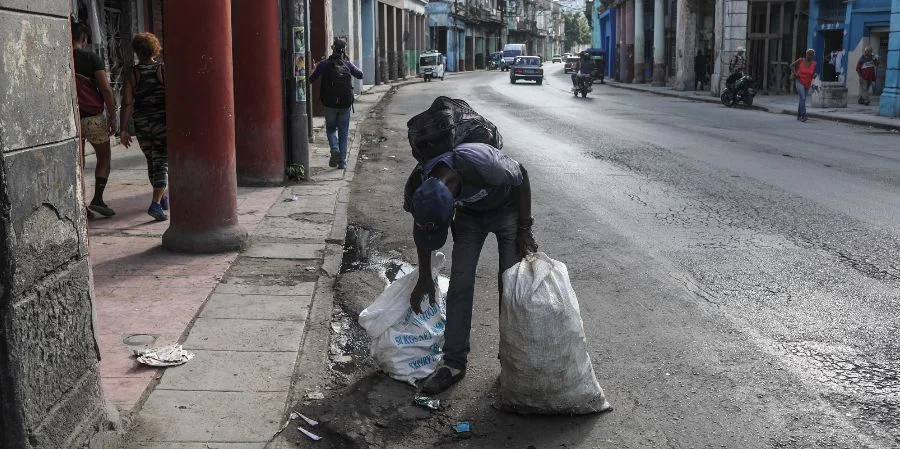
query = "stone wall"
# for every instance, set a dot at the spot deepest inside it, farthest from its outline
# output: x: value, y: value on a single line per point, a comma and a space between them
x: 49, y: 384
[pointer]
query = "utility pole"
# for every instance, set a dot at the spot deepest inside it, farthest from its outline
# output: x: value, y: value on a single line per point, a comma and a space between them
x: 296, y: 70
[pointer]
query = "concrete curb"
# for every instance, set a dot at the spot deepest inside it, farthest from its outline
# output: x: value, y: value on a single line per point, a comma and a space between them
x: 310, y: 368
x: 769, y: 109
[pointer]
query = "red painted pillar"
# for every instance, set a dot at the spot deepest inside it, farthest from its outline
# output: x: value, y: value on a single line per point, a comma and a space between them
x: 258, y: 105
x: 200, y: 120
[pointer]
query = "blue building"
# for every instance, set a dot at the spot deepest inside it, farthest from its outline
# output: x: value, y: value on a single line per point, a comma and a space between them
x: 853, y: 26
x: 604, y: 34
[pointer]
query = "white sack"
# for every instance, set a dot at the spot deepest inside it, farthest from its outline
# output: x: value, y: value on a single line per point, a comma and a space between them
x: 545, y: 366
x: 407, y: 346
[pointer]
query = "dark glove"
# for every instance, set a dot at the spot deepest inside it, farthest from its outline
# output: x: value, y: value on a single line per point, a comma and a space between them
x: 424, y: 289
x: 525, y: 242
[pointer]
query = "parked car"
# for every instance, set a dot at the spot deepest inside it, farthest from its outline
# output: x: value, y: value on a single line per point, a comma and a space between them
x: 556, y: 58
x: 526, y: 68
x: 571, y: 62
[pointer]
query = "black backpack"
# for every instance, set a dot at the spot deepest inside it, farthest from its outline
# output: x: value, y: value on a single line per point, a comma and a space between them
x: 446, y: 124
x: 337, y: 87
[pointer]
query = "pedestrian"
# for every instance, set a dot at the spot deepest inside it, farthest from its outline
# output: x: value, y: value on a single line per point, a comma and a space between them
x: 804, y: 71
x: 95, y: 95
x: 144, y: 95
x: 836, y: 59
x: 337, y: 97
x: 737, y: 66
x: 474, y: 190
x: 699, y: 69
x: 866, y: 68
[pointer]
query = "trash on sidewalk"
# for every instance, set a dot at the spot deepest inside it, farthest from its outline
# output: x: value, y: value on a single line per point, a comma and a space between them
x: 545, y: 367
x: 308, y: 420
x: 315, y: 395
x: 311, y: 435
x: 292, y: 199
x: 172, y: 355
x: 462, y: 427
x: 429, y: 402
x: 407, y: 346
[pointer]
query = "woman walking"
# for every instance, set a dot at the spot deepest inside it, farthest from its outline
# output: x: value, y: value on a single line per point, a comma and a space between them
x: 144, y: 94
x: 804, y: 72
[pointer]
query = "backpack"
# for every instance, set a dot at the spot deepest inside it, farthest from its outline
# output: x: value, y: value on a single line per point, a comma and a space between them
x: 90, y: 100
x: 337, y: 88
x: 446, y: 124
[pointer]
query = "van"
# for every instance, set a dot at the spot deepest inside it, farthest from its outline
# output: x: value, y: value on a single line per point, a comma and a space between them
x: 510, y: 51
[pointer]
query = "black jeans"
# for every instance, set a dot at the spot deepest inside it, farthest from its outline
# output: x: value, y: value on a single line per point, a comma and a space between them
x: 470, y: 229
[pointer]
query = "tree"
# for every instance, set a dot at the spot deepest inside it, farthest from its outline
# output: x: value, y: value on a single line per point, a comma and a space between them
x: 578, y: 32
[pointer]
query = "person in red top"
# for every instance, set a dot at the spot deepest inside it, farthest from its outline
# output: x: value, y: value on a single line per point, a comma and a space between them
x: 804, y: 72
x: 865, y: 67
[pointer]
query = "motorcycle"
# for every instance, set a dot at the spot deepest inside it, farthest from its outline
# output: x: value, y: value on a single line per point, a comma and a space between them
x: 583, y: 85
x: 741, y: 91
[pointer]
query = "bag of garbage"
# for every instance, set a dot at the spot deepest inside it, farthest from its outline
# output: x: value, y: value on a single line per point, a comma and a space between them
x: 447, y: 123
x: 544, y: 364
x: 405, y: 345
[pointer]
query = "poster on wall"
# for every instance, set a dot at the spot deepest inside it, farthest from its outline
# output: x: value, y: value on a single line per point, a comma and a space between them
x: 300, y: 88
x: 299, y: 40
x: 299, y: 64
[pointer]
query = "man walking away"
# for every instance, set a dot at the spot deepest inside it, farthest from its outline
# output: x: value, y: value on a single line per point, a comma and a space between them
x: 337, y: 97
x: 94, y: 95
x: 737, y: 66
x: 699, y: 69
x: 865, y: 67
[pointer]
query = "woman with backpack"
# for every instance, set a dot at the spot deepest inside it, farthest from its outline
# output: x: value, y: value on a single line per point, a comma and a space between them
x: 144, y: 94
x: 337, y: 97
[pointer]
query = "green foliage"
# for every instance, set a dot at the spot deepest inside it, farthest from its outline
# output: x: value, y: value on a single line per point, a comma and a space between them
x: 296, y: 172
x: 578, y: 31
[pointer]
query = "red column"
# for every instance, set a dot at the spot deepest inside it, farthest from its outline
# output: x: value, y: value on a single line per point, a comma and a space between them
x: 258, y: 105
x: 200, y: 120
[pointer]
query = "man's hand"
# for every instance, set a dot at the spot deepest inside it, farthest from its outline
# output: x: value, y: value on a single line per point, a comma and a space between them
x: 125, y: 138
x: 424, y: 288
x: 525, y: 242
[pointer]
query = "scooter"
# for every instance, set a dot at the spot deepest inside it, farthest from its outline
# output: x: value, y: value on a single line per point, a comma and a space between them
x: 741, y: 92
x: 583, y: 85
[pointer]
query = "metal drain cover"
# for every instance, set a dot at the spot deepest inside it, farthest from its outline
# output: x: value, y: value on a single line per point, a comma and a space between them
x: 140, y: 339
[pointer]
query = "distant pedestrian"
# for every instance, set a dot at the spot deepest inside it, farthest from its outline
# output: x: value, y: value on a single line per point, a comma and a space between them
x: 337, y: 97
x: 95, y: 96
x: 736, y: 67
x: 700, y: 63
x: 144, y: 94
x: 866, y: 68
x: 836, y: 59
x: 804, y: 72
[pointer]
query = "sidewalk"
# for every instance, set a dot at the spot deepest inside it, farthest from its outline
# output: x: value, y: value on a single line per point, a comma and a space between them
x: 244, y: 316
x: 855, y: 114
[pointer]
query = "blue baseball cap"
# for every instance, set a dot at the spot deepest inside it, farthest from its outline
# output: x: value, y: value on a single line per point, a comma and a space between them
x: 432, y: 210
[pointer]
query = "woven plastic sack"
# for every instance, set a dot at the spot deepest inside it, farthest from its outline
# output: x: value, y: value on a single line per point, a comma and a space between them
x: 405, y: 345
x: 447, y: 123
x: 545, y: 366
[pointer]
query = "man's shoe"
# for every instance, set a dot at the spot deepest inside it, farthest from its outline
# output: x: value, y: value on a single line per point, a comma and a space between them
x: 164, y: 202
x: 342, y: 165
x: 442, y: 379
x: 333, y: 162
x: 102, y: 209
x: 90, y: 215
x: 156, y: 211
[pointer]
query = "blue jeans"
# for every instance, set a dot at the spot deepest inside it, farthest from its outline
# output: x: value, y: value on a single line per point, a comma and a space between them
x: 337, y: 126
x: 802, y: 91
x: 470, y: 229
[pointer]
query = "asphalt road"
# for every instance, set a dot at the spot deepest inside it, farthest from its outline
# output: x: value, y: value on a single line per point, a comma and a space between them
x: 738, y: 271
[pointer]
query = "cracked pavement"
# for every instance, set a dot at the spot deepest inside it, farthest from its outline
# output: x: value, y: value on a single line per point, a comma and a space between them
x: 738, y: 271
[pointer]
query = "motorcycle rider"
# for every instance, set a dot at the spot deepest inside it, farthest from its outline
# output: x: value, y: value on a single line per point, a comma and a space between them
x: 583, y: 68
x: 737, y: 66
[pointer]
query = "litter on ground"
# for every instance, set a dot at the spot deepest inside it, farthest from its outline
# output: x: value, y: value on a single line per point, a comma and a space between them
x: 172, y: 355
